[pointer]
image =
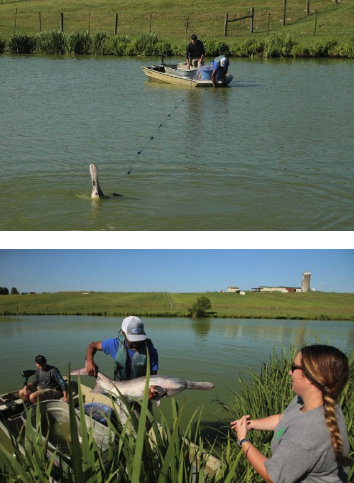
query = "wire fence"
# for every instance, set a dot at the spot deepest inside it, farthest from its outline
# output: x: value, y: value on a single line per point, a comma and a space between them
x: 265, y: 21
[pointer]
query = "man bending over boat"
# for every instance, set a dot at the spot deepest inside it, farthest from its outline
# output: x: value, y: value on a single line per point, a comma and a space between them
x: 195, y: 52
x: 220, y: 67
x: 48, y: 383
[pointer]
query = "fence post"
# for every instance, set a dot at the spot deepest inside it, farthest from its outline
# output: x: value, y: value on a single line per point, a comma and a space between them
x: 89, y: 23
x: 252, y: 17
x: 16, y: 21
x: 150, y: 21
x: 284, y: 13
x: 187, y: 25
x: 225, y: 26
x: 307, y: 8
x: 315, y: 22
x: 61, y: 22
x: 116, y: 25
x: 268, y: 21
x: 40, y: 22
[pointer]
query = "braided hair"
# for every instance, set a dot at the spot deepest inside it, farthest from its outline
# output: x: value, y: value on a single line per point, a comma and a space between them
x: 328, y: 369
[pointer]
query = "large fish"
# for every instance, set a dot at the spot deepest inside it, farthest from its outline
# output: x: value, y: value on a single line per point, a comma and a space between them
x: 134, y: 388
x: 96, y: 189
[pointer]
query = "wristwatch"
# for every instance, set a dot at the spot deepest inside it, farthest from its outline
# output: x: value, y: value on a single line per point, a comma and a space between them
x: 244, y: 440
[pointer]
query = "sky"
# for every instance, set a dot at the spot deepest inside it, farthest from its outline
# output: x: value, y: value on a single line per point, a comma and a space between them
x: 173, y: 270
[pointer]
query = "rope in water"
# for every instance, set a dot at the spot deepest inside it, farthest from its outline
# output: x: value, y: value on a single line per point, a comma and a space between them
x: 152, y: 137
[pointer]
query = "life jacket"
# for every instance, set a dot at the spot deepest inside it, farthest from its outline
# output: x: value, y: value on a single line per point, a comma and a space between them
x: 129, y: 368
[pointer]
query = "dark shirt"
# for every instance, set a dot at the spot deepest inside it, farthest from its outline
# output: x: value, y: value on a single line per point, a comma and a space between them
x: 49, y: 378
x: 195, y: 50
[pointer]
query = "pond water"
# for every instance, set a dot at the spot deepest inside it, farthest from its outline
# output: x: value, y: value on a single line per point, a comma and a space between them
x: 271, y: 152
x: 215, y: 350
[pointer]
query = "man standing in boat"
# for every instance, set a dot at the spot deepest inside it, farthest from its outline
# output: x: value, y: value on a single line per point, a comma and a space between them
x: 48, y: 383
x: 195, y: 52
x: 129, y: 351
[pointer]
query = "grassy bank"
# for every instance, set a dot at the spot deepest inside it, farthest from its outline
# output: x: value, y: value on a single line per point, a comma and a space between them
x: 276, y: 305
x: 324, y: 30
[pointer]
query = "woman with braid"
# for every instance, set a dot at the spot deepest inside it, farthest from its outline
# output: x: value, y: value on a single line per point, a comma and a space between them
x: 310, y: 442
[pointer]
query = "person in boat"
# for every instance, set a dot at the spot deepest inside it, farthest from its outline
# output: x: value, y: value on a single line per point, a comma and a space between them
x: 310, y: 441
x: 48, y: 383
x: 195, y: 52
x: 129, y: 351
x: 220, y: 67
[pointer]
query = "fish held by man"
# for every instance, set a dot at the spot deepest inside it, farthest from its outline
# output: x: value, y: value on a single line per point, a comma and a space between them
x: 163, y: 385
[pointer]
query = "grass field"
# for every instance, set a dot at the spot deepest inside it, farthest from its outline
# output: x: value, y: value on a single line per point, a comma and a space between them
x: 325, y: 22
x: 313, y: 305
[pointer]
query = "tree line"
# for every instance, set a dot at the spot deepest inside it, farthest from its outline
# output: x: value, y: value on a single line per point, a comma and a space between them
x: 5, y: 291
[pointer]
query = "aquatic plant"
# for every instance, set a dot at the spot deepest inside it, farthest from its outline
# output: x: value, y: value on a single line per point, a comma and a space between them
x: 347, y: 50
x: 214, y: 47
x: 98, y: 43
x: 20, y: 44
x: 115, y: 44
x: 2, y: 45
x: 52, y: 43
x: 78, y: 43
x: 149, y: 44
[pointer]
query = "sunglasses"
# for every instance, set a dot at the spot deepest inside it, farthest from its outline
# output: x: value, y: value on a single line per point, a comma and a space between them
x: 293, y: 367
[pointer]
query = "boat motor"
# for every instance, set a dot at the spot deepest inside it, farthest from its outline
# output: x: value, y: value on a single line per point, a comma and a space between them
x: 27, y: 374
x: 162, y: 57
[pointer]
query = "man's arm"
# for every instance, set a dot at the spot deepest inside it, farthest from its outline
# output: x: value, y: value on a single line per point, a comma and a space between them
x: 213, y: 76
x: 90, y: 352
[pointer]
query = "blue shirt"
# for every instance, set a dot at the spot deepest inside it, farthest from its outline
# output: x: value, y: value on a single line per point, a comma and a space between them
x: 110, y: 347
x: 215, y: 64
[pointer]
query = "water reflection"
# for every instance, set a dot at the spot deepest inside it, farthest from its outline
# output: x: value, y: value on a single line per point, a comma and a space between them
x: 201, y: 327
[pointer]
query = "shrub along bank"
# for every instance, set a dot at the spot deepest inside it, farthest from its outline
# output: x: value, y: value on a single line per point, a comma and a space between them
x: 102, y: 43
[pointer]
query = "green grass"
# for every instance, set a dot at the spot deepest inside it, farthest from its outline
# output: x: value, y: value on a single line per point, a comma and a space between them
x: 312, y: 305
x: 174, y: 22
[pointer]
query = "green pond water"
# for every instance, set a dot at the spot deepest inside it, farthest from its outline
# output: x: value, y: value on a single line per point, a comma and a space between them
x: 271, y: 152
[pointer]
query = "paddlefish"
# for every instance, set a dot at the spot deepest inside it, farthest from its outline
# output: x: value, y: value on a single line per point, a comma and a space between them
x: 134, y: 388
x: 96, y: 189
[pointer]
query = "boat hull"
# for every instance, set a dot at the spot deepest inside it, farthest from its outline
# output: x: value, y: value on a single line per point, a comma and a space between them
x: 171, y: 75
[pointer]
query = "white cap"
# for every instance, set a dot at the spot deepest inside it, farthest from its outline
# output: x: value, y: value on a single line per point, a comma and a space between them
x: 224, y: 62
x: 133, y: 328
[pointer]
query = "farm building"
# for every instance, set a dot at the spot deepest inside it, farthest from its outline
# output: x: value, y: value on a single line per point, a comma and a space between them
x: 277, y: 289
x: 233, y: 289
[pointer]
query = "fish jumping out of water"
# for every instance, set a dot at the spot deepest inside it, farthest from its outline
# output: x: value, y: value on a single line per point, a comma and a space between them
x: 134, y: 388
x: 96, y: 190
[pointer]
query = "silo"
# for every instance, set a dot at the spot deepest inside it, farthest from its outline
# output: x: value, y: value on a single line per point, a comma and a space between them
x: 305, y: 284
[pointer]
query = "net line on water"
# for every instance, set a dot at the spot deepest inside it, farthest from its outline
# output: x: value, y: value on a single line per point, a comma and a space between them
x: 151, y: 138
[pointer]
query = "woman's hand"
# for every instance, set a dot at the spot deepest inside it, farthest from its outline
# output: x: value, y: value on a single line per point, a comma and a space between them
x: 241, y: 426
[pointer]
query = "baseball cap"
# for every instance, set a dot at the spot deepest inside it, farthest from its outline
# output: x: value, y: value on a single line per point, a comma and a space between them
x: 194, y: 37
x: 40, y: 360
x: 224, y: 62
x: 133, y: 328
